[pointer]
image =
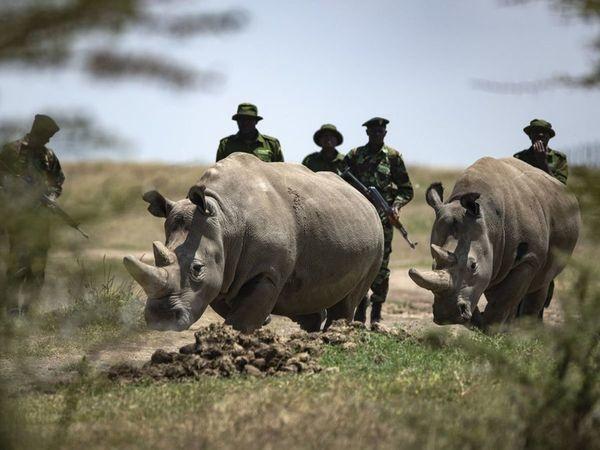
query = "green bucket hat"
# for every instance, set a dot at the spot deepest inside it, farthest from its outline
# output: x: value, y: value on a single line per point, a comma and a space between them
x: 539, y: 123
x: 44, y: 126
x: 376, y: 122
x: 248, y: 110
x: 331, y: 129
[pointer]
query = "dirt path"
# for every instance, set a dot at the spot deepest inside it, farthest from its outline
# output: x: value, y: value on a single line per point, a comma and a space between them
x: 408, y: 307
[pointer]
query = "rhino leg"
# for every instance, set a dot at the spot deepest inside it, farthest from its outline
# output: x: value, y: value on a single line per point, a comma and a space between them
x: 534, y: 302
x: 253, y: 304
x: 341, y: 310
x: 310, y: 322
x: 221, y: 307
x: 504, y: 298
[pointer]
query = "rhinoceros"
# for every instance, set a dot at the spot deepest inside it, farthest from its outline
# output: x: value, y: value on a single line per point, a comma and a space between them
x: 255, y: 238
x: 506, y: 231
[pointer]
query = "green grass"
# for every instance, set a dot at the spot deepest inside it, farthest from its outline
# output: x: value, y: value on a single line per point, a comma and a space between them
x: 386, y: 394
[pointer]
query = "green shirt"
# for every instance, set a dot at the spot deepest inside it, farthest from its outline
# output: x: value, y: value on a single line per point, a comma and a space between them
x: 557, y: 162
x: 264, y: 147
x: 383, y: 169
x: 37, y: 166
x: 318, y: 163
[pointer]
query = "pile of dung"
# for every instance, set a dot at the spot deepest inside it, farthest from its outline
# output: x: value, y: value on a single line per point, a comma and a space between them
x: 221, y: 351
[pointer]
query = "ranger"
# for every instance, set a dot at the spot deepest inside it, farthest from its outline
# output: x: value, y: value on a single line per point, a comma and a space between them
x: 550, y: 161
x: 28, y: 171
x: 248, y: 139
x: 540, y: 155
x: 379, y: 165
x: 328, y: 159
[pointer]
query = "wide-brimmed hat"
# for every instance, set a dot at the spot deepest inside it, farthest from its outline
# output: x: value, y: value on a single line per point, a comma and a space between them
x: 44, y: 126
x: 539, y: 123
x: 248, y: 110
x: 329, y: 128
x: 376, y: 122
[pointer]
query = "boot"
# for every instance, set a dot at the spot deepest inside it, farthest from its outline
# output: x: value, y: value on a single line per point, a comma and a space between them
x: 360, y: 315
x: 376, y: 312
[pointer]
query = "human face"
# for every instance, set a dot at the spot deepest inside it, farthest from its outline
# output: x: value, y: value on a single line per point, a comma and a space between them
x: 539, y: 136
x: 246, y: 124
x: 327, y: 140
x: 376, y: 134
x: 36, y: 140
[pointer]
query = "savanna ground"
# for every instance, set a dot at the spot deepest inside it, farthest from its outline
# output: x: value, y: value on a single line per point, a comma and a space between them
x: 443, y: 387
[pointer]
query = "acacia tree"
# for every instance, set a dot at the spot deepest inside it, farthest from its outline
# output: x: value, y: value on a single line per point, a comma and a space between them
x: 90, y: 36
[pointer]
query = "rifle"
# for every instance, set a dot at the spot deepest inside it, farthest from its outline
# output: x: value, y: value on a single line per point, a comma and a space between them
x: 380, y: 204
x: 51, y: 205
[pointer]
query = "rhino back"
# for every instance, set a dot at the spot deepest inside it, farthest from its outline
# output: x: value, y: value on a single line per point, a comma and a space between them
x: 522, y: 204
x: 313, y: 232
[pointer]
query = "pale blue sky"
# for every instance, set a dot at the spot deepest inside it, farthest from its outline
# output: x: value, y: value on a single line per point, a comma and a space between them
x: 307, y: 62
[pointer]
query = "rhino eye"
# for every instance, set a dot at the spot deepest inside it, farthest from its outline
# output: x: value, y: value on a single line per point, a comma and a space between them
x: 196, y: 271
x: 473, y: 266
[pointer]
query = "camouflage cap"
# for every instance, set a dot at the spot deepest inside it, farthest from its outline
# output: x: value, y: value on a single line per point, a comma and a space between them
x: 376, y: 122
x: 248, y: 110
x: 539, y: 124
x: 329, y: 128
x: 44, y: 126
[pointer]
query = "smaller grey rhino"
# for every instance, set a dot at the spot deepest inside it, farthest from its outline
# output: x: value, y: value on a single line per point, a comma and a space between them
x: 505, y: 232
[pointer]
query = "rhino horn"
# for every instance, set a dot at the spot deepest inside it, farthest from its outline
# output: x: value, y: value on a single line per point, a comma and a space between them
x: 154, y: 280
x: 433, y: 280
x: 162, y: 255
x: 443, y: 256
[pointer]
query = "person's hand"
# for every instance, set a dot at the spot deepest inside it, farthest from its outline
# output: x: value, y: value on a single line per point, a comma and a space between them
x: 539, y: 148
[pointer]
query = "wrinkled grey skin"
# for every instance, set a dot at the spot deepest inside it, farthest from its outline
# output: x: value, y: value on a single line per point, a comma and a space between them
x: 506, y: 231
x: 256, y: 238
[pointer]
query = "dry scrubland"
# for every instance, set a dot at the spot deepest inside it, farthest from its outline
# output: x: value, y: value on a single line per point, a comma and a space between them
x: 531, y: 388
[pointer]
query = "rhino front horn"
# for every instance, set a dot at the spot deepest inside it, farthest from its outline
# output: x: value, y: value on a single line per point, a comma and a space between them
x: 154, y: 280
x: 432, y: 280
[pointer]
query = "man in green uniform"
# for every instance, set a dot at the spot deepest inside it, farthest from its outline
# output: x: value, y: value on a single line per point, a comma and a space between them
x: 544, y: 158
x: 328, y: 159
x: 378, y: 165
x: 28, y: 171
x: 248, y: 139
x: 540, y: 155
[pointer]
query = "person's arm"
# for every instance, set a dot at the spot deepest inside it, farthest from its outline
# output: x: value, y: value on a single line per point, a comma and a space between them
x: 561, y: 170
x: 401, y: 179
x: 55, y: 176
x: 221, y: 150
x: 277, y: 152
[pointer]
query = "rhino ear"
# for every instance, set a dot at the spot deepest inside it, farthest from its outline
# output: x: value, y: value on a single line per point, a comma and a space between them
x: 435, y: 195
x: 198, y: 198
x: 159, y: 205
x: 469, y: 202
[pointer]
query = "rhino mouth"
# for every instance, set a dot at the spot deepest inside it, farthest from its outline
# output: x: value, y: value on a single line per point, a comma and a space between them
x: 459, y: 314
x: 171, y: 318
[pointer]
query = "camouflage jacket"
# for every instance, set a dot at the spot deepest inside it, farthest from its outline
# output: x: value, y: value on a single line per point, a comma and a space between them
x: 317, y: 163
x: 38, y: 167
x: 383, y: 169
x: 264, y: 147
x: 557, y: 162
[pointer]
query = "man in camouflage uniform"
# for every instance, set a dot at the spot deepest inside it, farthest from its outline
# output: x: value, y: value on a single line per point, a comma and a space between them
x: 28, y: 170
x: 550, y: 161
x: 378, y: 165
x: 540, y: 155
x: 328, y: 159
x: 248, y: 139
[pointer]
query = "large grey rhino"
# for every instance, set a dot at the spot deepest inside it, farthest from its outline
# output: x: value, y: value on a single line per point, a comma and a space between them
x: 505, y: 232
x: 255, y: 238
